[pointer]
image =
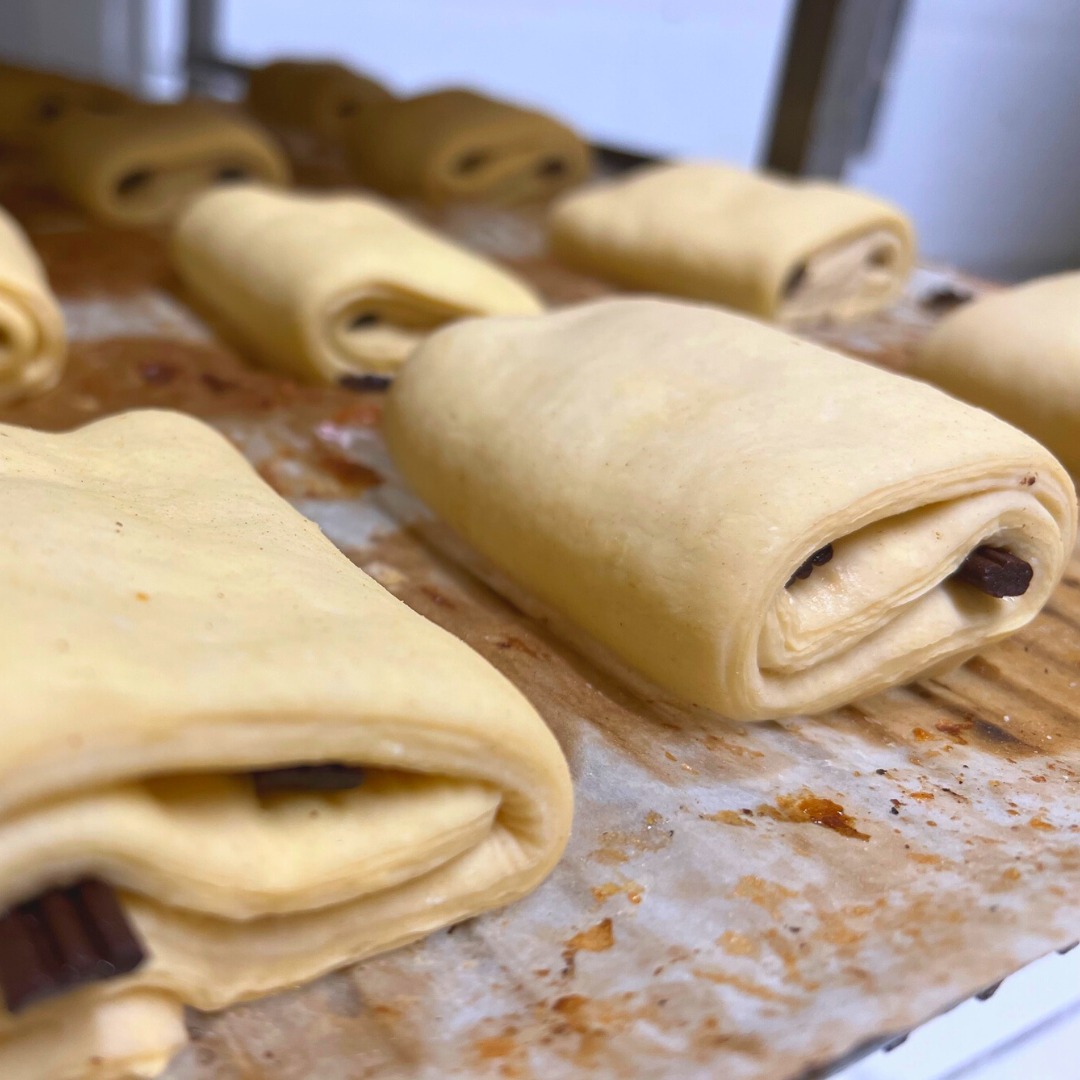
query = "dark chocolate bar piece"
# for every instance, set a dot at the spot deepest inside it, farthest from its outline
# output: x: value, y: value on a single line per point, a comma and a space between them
x: 62, y: 939
x: 329, y: 777
x: 945, y: 298
x: 794, y: 281
x: 819, y: 558
x: 996, y: 572
x: 364, y: 383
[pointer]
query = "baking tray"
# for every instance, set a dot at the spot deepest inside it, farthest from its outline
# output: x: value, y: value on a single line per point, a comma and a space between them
x: 737, y: 901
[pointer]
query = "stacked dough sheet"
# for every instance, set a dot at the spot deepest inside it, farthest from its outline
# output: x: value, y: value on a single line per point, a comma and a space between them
x: 270, y: 765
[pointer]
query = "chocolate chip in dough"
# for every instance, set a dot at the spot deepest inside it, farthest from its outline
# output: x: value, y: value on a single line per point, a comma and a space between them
x: 794, y: 280
x: 365, y: 383
x: 819, y: 558
x: 996, y: 572
x: 551, y: 168
x: 471, y: 161
x: 62, y: 939
x: 231, y: 174
x: 50, y: 108
x: 134, y: 181
x: 881, y: 256
x: 945, y: 298
x: 329, y: 777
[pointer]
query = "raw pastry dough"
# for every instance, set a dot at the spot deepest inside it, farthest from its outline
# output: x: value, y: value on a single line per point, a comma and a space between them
x: 1016, y: 353
x: 142, y: 165
x: 454, y: 144
x: 30, y: 101
x: 32, y: 341
x: 170, y: 624
x: 310, y: 95
x: 323, y: 286
x: 792, y: 251
x: 655, y: 472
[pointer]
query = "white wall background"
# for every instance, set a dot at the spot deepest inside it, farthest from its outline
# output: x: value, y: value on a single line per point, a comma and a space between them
x: 94, y: 38
x: 978, y: 136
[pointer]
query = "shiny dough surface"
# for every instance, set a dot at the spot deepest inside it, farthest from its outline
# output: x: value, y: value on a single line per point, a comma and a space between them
x: 33, y: 344
x: 790, y: 251
x: 310, y: 95
x: 321, y: 286
x: 455, y: 144
x: 172, y: 624
x: 1016, y: 352
x: 654, y: 473
x: 142, y: 165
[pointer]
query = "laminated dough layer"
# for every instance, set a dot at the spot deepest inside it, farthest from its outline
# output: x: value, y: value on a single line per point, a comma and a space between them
x: 31, y: 101
x: 454, y: 144
x: 1017, y: 353
x: 793, y: 251
x: 141, y: 166
x: 170, y: 626
x: 655, y: 473
x: 325, y: 286
x: 310, y: 95
x: 33, y: 344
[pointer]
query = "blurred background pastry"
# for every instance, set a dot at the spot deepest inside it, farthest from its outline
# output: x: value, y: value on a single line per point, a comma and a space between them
x: 788, y: 251
x: 457, y: 144
x: 141, y: 165
x: 327, y: 286
x: 310, y: 95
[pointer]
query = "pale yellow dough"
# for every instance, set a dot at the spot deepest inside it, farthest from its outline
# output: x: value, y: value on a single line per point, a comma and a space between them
x: 310, y: 95
x: 456, y: 144
x: 142, y: 165
x: 794, y: 251
x: 1017, y: 353
x: 170, y: 624
x: 321, y: 286
x: 33, y: 343
x: 655, y: 472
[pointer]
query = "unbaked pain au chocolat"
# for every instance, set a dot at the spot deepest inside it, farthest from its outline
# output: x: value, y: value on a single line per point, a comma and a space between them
x: 230, y: 761
x: 328, y: 287
x: 757, y: 524
x: 794, y: 251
